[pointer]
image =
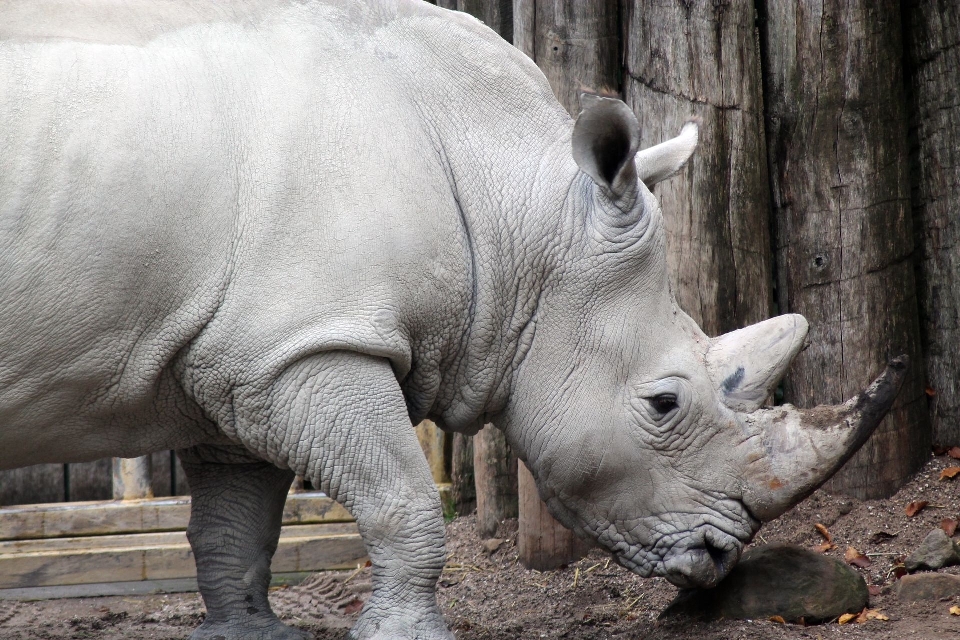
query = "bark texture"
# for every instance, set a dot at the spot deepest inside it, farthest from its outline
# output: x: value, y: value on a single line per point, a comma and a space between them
x: 700, y: 59
x: 932, y: 31
x: 576, y: 45
x: 839, y: 174
x: 462, y: 484
x: 542, y: 542
x: 495, y: 471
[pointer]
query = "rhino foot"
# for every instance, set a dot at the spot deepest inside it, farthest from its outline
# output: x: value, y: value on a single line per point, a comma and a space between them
x: 228, y: 631
x: 400, y: 624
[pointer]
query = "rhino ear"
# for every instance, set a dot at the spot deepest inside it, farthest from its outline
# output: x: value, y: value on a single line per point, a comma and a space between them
x: 605, y: 140
x: 748, y: 363
x: 665, y: 159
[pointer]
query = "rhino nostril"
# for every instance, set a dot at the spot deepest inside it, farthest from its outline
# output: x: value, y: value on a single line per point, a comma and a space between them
x: 717, y: 554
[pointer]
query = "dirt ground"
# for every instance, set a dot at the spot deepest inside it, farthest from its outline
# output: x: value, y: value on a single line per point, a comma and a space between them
x: 489, y: 596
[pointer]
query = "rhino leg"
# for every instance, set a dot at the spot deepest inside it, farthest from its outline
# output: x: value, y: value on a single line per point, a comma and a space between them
x: 237, y: 504
x: 340, y: 419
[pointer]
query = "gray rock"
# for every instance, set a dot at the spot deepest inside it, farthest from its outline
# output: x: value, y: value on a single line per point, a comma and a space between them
x: 778, y: 580
x: 928, y: 586
x: 937, y: 550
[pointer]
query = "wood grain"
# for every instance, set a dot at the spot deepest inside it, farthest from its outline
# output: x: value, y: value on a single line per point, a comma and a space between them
x: 700, y: 59
x: 932, y: 29
x: 844, y: 242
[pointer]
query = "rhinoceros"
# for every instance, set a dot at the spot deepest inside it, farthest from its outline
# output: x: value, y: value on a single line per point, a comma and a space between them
x: 273, y: 235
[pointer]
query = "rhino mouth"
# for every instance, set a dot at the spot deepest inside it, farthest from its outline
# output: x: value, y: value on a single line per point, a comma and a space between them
x: 698, y: 557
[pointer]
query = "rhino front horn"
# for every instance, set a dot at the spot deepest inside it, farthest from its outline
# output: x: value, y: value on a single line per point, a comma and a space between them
x: 802, y: 448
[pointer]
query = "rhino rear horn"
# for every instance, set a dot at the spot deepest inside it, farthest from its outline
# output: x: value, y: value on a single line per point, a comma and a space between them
x: 802, y: 448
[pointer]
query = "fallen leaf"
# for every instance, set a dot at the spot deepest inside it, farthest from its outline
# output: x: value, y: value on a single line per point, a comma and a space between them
x: 875, y: 614
x: 930, y: 391
x: 882, y: 536
x: 949, y: 473
x: 823, y: 548
x: 874, y: 589
x: 955, y: 610
x: 954, y: 452
x: 949, y: 526
x: 854, y: 557
x: 822, y: 530
x: 939, y: 450
x: 777, y: 619
x: 847, y: 617
x: 916, y: 507
x: 353, y: 606
x: 899, y: 570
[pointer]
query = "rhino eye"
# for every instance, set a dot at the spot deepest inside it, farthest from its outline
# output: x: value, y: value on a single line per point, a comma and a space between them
x: 664, y: 403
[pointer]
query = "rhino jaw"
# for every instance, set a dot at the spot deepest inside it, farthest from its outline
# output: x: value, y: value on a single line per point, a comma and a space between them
x: 803, y: 448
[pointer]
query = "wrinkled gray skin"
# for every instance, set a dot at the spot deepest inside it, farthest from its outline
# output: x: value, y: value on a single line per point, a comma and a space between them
x: 273, y: 237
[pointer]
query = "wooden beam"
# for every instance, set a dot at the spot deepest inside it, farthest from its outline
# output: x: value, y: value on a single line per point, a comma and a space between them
x: 544, y: 544
x: 129, y: 516
x: 163, y: 556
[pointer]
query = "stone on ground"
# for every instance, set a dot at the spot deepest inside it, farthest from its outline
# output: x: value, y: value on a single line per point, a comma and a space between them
x: 928, y: 586
x: 936, y: 551
x: 778, y: 580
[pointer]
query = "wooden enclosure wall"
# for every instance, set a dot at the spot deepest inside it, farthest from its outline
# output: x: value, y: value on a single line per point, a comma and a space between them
x: 83, y: 481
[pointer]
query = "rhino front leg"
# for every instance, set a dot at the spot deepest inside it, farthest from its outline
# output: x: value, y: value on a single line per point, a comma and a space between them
x: 340, y: 419
x: 237, y: 505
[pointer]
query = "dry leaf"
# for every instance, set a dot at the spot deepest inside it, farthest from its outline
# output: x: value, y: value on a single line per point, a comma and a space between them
x: 822, y: 530
x: 949, y: 526
x: 778, y: 619
x: 930, y: 391
x: 949, y: 472
x: 955, y: 610
x: 939, y: 450
x: 847, y: 617
x: 823, y: 548
x: 916, y: 507
x: 899, y: 570
x: 954, y: 452
x: 875, y: 589
x: 874, y: 614
x: 353, y: 606
x: 854, y: 557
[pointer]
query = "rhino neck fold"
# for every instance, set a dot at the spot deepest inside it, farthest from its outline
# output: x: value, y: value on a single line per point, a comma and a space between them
x: 510, y: 237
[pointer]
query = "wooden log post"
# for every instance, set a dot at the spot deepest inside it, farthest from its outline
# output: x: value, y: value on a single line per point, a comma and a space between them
x: 684, y: 60
x: 495, y: 474
x: 577, y: 46
x: 132, y: 478
x: 932, y: 29
x: 837, y: 139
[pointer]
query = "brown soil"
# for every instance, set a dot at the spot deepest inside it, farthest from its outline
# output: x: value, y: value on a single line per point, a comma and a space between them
x: 491, y: 597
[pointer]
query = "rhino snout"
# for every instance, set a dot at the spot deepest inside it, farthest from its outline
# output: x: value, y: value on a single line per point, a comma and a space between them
x: 704, y: 563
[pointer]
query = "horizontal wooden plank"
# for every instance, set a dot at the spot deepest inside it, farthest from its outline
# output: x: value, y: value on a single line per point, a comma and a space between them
x: 152, y: 539
x: 104, y: 517
x: 132, y: 588
x: 164, y: 556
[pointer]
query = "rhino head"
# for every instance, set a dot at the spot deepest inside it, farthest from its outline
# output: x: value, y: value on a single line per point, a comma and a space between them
x: 642, y: 432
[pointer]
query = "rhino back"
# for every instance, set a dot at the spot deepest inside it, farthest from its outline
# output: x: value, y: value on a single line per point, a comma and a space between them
x: 231, y: 180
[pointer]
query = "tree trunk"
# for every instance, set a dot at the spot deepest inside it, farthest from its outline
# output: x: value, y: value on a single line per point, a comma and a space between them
x: 838, y: 164
x: 576, y: 45
x: 684, y: 60
x: 543, y: 543
x: 932, y: 29
x: 463, y: 490
x: 495, y: 469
